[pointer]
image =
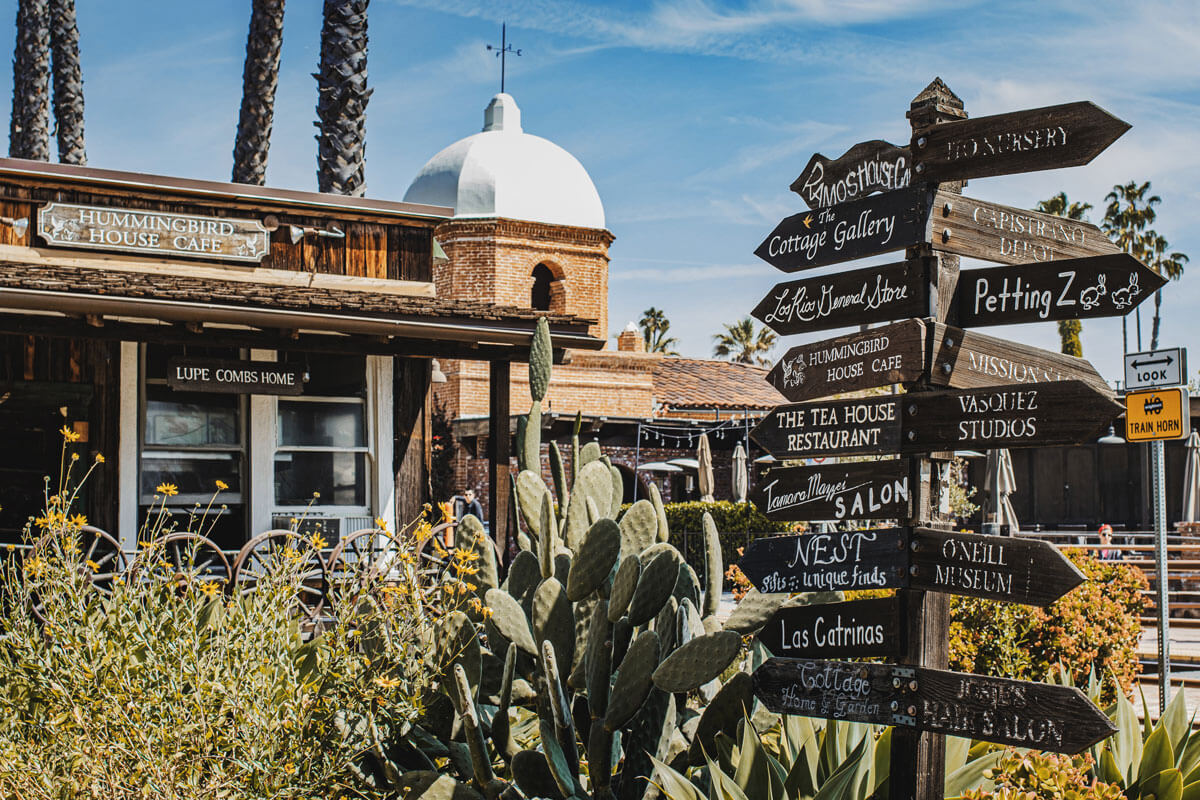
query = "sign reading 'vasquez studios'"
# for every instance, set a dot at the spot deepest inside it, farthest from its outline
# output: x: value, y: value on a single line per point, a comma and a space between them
x: 152, y: 232
x: 234, y: 377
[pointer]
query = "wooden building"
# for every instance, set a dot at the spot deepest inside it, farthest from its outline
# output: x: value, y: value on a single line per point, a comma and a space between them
x: 279, y: 342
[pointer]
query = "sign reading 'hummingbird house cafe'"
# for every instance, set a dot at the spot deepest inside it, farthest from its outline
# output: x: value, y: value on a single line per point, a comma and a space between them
x: 152, y: 232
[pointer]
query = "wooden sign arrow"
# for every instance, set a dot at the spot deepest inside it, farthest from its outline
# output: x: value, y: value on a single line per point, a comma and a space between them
x: 855, y: 297
x: 858, y: 490
x: 854, y: 629
x: 868, y: 425
x: 865, y: 227
x: 1077, y: 288
x: 874, y: 166
x: 876, y: 357
x: 990, y: 231
x: 1027, y: 571
x: 1059, y: 719
x: 1021, y: 141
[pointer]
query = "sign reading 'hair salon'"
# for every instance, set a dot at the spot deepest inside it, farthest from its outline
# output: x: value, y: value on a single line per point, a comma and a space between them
x: 234, y: 377
x: 152, y: 232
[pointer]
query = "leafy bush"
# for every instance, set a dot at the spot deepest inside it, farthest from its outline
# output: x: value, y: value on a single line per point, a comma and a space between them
x: 1095, y: 627
x: 738, y: 525
x: 1030, y: 775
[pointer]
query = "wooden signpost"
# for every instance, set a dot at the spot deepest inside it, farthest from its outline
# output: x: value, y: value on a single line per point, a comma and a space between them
x: 1022, y: 713
x: 874, y: 166
x: 1077, y: 288
x: 873, y: 294
x: 853, y: 629
x: 858, y: 490
x: 863, y: 426
x: 1027, y: 571
x: 992, y: 232
x: 880, y: 223
x: 1021, y: 141
x: 968, y: 360
x: 876, y: 357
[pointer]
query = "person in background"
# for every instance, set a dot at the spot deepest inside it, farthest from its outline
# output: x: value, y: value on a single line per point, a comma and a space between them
x: 1107, y: 551
x: 463, y: 504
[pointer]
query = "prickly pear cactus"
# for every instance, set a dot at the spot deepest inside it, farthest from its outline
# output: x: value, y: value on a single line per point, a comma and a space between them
x: 541, y: 357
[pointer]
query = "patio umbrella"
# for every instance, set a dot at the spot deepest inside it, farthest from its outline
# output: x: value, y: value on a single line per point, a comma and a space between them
x: 741, y: 479
x: 1001, y: 483
x: 704, y: 459
x: 1191, y: 480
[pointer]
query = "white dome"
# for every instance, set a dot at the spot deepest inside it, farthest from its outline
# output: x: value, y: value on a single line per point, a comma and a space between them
x: 505, y: 172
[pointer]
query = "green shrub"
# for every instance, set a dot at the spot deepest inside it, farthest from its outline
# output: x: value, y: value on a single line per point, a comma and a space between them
x: 738, y: 524
x: 1029, y: 775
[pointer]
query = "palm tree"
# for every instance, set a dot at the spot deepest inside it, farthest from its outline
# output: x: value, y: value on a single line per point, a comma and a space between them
x: 744, y: 343
x: 1126, y: 220
x: 342, y: 96
x: 1169, y: 266
x: 260, y: 76
x: 68, y: 82
x: 29, y: 129
x: 1068, y: 329
x: 655, y: 325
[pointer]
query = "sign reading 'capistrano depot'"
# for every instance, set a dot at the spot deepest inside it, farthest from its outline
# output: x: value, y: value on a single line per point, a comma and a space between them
x: 152, y: 232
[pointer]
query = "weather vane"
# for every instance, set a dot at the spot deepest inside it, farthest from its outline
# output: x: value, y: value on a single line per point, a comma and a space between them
x: 503, y: 50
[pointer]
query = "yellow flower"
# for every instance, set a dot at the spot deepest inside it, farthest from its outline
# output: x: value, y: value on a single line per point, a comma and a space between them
x: 318, y: 542
x: 69, y: 435
x: 381, y: 523
x: 447, y: 511
x: 74, y: 456
x: 10, y: 547
x: 79, y: 520
x: 169, y: 489
x: 316, y: 495
x: 289, y: 768
x: 99, y: 458
x: 386, y: 683
x: 93, y: 565
x: 222, y: 486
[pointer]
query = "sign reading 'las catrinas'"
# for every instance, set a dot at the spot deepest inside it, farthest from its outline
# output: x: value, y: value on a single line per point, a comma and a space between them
x: 152, y: 232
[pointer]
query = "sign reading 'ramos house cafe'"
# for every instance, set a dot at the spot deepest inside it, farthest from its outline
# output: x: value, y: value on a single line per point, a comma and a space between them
x: 153, y: 232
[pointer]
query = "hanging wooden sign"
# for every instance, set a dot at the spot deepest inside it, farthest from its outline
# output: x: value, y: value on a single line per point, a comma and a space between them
x: 1013, y: 415
x: 876, y: 357
x: 1020, y: 141
x: 967, y: 360
x: 1030, y: 572
x: 855, y: 297
x: 1077, y: 288
x: 868, y: 226
x: 869, y: 425
x: 867, y: 167
x: 234, y: 377
x: 992, y: 232
x: 857, y: 490
x: 1059, y: 719
x: 853, y: 629
x: 152, y: 232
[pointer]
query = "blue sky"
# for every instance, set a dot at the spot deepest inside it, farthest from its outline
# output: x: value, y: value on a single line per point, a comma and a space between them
x: 692, y: 116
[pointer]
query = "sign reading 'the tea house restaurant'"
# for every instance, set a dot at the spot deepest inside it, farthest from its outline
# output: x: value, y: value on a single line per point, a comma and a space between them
x: 152, y: 232
x: 234, y: 377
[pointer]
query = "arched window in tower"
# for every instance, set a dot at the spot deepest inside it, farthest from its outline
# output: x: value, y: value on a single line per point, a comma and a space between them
x: 540, y: 296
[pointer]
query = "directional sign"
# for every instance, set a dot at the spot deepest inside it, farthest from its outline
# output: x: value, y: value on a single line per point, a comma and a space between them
x: 860, y: 490
x: 1152, y: 369
x: 1010, y: 415
x: 874, y: 166
x: 1013, y: 415
x: 1040, y: 716
x: 1027, y: 571
x: 855, y: 297
x: 1020, y: 141
x: 1077, y: 288
x: 834, y: 428
x: 865, y: 227
x: 854, y: 629
x: 1157, y: 414
x: 993, y: 232
x: 968, y: 360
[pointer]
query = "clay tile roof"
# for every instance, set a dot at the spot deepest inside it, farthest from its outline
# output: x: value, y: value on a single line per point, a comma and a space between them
x: 699, y: 383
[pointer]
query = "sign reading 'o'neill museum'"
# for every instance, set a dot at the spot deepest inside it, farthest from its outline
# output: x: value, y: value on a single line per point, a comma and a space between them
x: 152, y: 232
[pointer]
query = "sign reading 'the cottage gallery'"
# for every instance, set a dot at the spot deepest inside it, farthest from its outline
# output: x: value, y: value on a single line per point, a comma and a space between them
x: 234, y: 377
x: 152, y: 232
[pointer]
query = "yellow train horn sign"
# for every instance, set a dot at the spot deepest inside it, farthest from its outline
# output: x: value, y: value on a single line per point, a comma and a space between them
x: 1157, y: 414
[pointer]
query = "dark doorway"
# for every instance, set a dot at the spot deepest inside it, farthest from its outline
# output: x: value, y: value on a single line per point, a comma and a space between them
x: 539, y: 297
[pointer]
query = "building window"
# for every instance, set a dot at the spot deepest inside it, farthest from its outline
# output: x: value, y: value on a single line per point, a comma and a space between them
x: 543, y: 280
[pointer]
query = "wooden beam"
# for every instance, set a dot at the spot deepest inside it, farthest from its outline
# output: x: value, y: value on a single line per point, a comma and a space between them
x: 410, y: 424
x: 500, y: 487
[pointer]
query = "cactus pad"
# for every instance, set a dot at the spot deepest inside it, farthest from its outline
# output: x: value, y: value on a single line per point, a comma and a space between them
x: 593, y: 482
x: 664, y: 531
x: 541, y: 358
x: 598, y: 660
x: 714, y: 569
x: 553, y: 619
x: 421, y: 784
x: 618, y: 493
x: 722, y: 715
x: 530, y: 488
x: 588, y: 453
x: 524, y: 574
x: 688, y: 585
x: 698, y: 662
x: 594, y: 560
x: 639, y: 528
x: 634, y: 680
x: 559, y: 473
x: 665, y: 625
x: 548, y: 542
x: 533, y: 776
x: 509, y: 618
x: 458, y: 644
x: 753, y: 611
x: 624, y: 585
x: 654, y: 586
x: 470, y: 535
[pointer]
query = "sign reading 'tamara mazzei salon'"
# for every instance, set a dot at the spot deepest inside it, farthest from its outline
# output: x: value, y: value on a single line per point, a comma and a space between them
x: 234, y: 377
x: 152, y: 232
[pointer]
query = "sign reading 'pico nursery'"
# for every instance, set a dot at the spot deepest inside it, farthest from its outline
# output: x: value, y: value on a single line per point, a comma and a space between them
x: 152, y: 232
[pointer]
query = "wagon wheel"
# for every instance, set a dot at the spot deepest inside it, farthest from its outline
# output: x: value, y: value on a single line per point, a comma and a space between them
x: 100, y: 559
x: 187, y: 559
x: 260, y: 556
x: 431, y: 564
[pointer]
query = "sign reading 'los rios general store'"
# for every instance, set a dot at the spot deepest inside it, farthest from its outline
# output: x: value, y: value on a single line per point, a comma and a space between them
x: 153, y: 232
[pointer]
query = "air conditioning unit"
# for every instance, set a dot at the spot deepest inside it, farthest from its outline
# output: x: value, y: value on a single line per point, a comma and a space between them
x: 330, y: 528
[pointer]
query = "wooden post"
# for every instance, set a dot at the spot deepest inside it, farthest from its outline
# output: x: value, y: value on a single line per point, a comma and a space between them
x: 411, y: 421
x: 499, y: 481
x: 919, y: 759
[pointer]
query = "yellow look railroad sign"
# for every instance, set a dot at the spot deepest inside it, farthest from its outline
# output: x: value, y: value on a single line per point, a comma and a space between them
x: 1157, y: 414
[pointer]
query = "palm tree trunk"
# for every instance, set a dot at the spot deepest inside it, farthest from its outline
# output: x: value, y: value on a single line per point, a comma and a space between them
x: 1157, y: 319
x: 29, y: 131
x: 342, y: 98
x: 68, y: 82
x: 260, y: 76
